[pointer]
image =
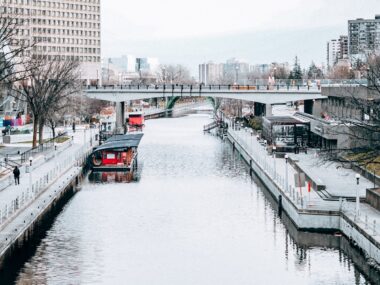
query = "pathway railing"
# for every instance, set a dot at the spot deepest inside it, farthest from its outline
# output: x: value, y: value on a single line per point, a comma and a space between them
x: 258, y: 84
x: 10, y: 209
x: 363, y: 220
x: 49, y: 144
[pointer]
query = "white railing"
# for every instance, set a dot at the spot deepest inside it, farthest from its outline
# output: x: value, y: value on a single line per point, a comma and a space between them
x: 11, y: 209
x: 267, y: 164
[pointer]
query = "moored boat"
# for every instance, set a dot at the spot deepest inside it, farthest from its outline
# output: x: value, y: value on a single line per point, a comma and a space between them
x: 118, y: 153
x: 135, y: 121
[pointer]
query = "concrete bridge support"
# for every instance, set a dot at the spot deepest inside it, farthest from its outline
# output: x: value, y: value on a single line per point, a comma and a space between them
x: 258, y: 109
x: 120, y: 117
x: 268, y: 110
x: 308, y: 106
x: 261, y: 109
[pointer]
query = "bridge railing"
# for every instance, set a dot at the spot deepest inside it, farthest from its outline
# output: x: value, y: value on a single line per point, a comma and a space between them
x: 279, y: 84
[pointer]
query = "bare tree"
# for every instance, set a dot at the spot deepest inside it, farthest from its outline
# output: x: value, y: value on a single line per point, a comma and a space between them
x: 174, y: 74
x: 362, y: 125
x: 14, y: 48
x: 49, y: 84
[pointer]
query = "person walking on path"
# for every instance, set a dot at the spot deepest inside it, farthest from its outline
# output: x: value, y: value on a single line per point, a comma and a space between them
x: 16, y: 174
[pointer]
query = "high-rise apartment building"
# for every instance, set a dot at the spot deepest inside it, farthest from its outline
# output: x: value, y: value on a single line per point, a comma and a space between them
x: 337, y: 49
x: 147, y: 65
x: 210, y: 73
x: 343, y: 47
x: 333, y: 49
x: 69, y: 29
x: 237, y: 69
x: 363, y: 36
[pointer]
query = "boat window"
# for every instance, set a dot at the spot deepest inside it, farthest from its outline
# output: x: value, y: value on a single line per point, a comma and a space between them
x: 111, y: 156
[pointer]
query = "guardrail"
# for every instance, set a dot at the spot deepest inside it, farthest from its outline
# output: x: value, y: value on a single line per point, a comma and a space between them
x: 279, y: 84
x: 50, y: 144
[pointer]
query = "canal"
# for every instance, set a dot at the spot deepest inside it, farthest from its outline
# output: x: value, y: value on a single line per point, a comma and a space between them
x: 194, y: 217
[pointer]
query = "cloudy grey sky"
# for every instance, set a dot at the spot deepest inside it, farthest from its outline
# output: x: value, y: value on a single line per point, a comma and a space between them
x: 191, y: 32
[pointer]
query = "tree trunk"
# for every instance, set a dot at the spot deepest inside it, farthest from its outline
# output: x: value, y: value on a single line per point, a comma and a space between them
x: 35, y: 126
x: 41, y: 132
x: 53, y: 131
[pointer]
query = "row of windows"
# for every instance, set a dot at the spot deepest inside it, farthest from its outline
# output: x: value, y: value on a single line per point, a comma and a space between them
x: 78, y: 33
x: 75, y: 24
x: 58, y: 5
x: 50, y: 23
x: 48, y: 13
x: 86, y: 42
x: 68, y: 57
x: 72, y: 50
x: 75, y: 50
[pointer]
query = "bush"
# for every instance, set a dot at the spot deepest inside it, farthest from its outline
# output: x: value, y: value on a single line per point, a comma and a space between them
x: 256, y: 123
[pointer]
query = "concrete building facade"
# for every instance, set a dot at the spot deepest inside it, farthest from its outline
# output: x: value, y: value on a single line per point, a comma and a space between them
x: 68, y: 29
x: 363, y: 36
x: 210, y: 73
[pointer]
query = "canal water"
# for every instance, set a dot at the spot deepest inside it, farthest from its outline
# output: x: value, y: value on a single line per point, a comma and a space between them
x: 194, y: 217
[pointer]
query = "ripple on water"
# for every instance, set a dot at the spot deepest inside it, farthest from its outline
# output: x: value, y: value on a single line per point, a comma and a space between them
x: 195, y: 217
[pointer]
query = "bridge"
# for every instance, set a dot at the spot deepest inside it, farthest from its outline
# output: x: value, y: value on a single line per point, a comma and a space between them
x: 263, y: 96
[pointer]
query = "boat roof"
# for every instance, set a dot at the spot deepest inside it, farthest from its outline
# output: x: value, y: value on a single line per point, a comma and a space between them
x: 126, y: 137
x: 119, y: 142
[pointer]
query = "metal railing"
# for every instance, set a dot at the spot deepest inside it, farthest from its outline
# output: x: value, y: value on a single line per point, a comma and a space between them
x: 47, y: 145
x: 255, y: 85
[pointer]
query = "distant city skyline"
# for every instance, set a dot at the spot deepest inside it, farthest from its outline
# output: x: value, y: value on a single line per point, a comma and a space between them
x: 192, y: 34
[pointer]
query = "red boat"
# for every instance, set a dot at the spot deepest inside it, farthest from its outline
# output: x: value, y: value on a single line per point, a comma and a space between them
x: 135, y: 121
x: 118, y: 153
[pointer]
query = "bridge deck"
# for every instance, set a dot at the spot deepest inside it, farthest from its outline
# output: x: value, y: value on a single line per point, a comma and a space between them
x: 262, y: 94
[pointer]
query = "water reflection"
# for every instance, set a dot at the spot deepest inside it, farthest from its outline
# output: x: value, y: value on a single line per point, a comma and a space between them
x: 112, y: 177
x: 195, y: 217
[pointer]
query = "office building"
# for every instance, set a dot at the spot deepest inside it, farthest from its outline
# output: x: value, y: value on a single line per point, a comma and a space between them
x: 68, y: 29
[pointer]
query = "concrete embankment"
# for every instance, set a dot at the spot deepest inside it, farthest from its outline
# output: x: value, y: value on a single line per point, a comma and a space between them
x: 319, y: 216
x: 26, y: 210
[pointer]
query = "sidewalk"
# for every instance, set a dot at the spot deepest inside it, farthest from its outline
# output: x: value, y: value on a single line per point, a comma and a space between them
x: 339, y: 181
x: 52, y: 165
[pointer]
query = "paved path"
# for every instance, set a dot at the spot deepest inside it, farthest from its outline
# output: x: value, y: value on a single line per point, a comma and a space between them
x: 368, y: 219
x: 47, y: 168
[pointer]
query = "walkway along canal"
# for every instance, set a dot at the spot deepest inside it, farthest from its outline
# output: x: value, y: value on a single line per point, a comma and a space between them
x: 48, y: 180
x: 315, y: 214
x: 195, y: 217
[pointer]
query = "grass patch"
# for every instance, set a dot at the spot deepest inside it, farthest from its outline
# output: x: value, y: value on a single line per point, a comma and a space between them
x: 58, y: 140
x: 371, y: 165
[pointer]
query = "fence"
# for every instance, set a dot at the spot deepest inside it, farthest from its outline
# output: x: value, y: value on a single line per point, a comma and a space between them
x: 49, y: 144
x: 11, y: 208
x: 257, y: 84
x: 365, y: 221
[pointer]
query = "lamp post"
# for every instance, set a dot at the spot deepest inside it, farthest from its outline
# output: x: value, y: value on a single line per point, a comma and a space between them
x: 286, y: 173
x: 357, y: 210
x: 274, y: 161
x: 237, y: 74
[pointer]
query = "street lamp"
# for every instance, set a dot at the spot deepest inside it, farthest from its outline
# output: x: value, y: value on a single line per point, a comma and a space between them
x: 274, y: 161
x: 357, y: 212
x: 286, y: 173
x: 237, y: 74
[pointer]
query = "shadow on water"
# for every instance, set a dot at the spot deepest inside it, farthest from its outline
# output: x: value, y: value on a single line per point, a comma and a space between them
x: 302, y: 241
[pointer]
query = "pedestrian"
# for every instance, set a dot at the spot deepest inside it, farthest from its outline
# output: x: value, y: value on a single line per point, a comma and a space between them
x: 16, y: 174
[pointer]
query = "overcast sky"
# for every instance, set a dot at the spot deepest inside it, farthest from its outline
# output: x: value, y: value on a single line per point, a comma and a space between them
x: 191, y: 32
